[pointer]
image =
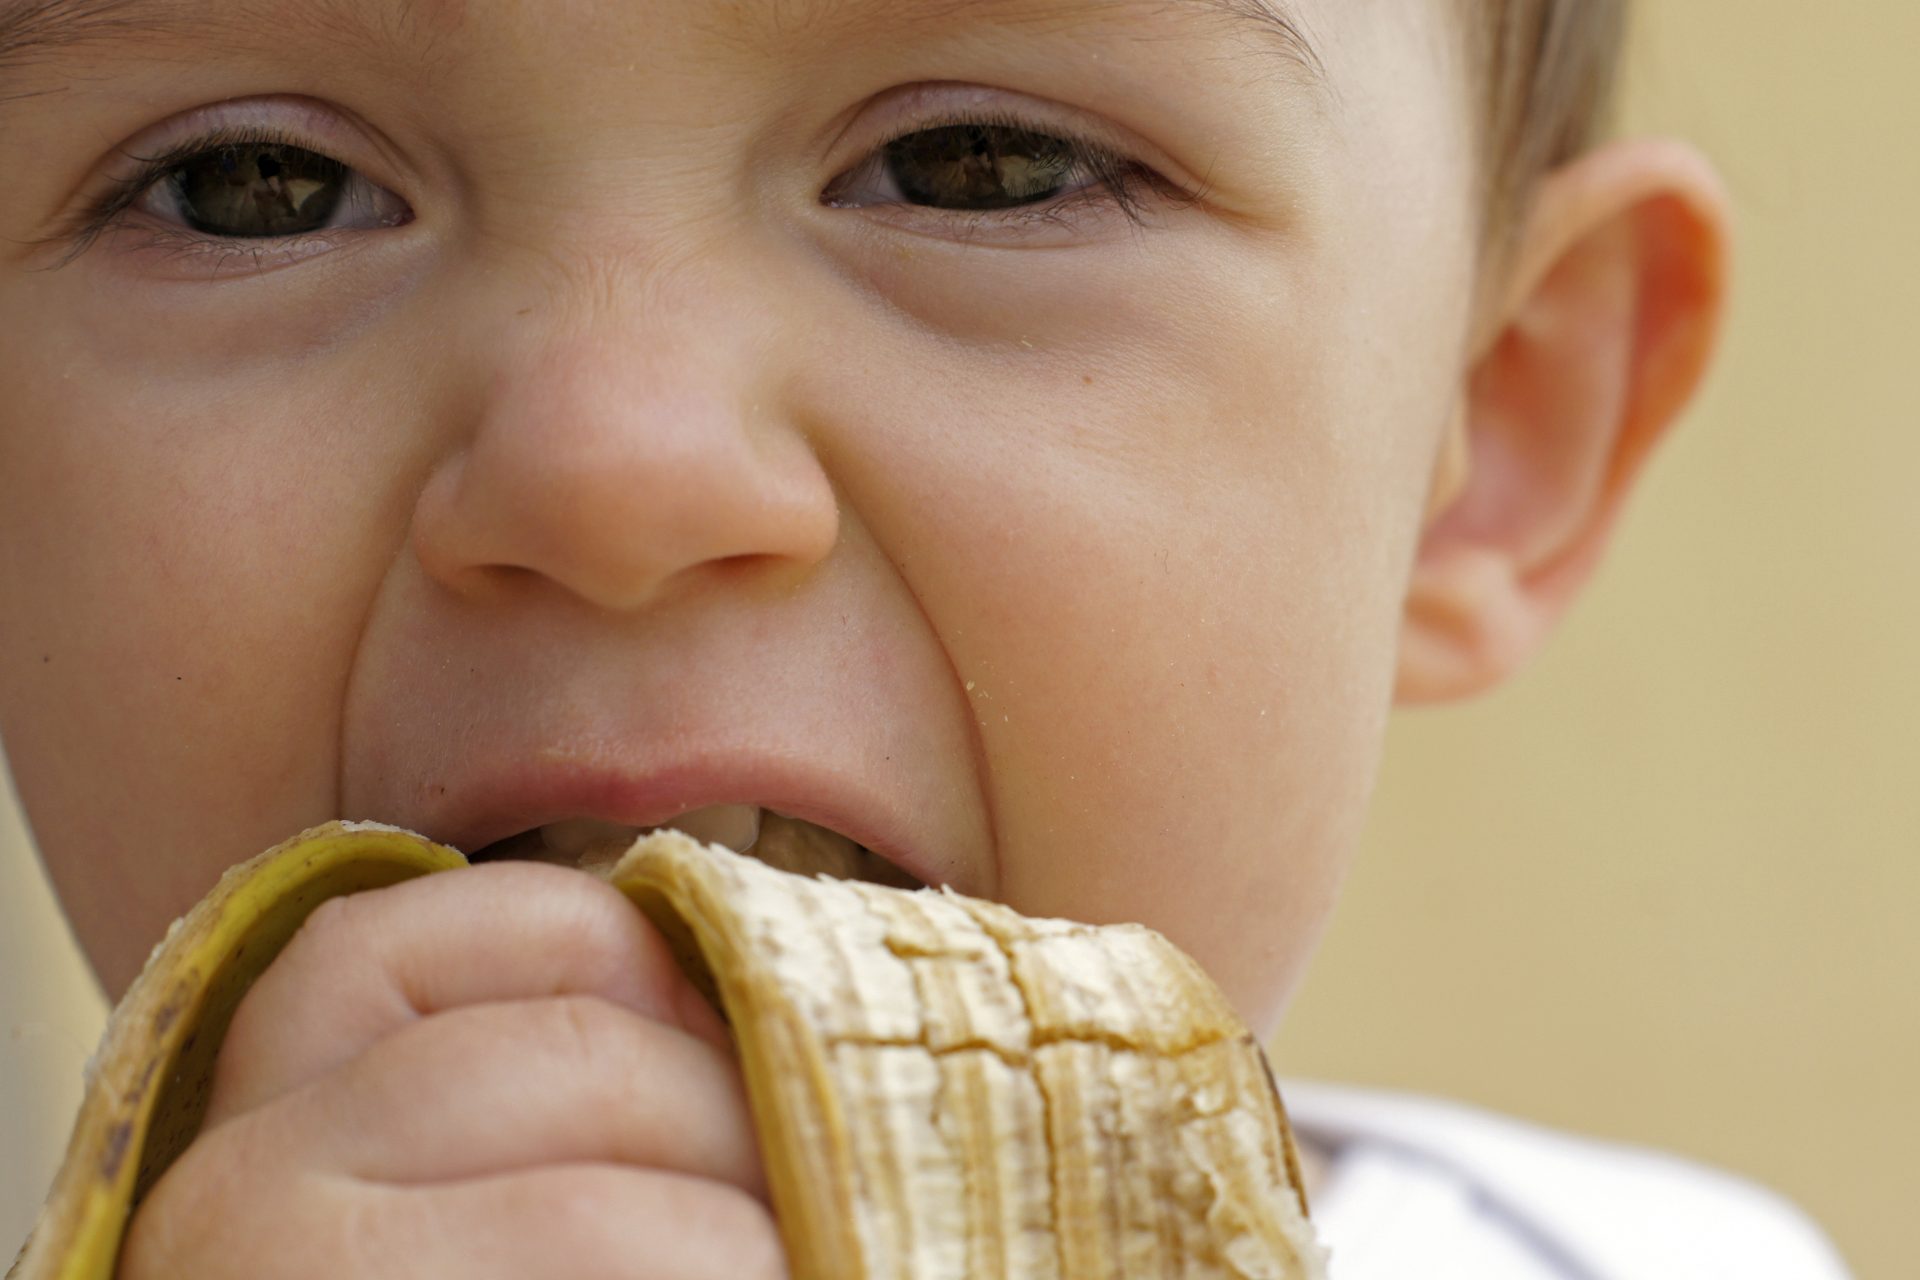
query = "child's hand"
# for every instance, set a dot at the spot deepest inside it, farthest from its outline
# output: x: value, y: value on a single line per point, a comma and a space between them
x: 495, y: 1072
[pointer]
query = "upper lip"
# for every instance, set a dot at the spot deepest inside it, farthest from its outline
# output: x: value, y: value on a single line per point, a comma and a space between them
x: 490, y: 805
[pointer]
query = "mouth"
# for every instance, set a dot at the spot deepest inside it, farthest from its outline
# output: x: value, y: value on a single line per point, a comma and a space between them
x: 591, y: 843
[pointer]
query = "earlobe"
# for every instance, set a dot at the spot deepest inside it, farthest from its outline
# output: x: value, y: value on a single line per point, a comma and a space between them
x: 1613, y: 299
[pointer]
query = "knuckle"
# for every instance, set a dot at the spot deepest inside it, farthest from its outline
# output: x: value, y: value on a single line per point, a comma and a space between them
x: 597, y: 917
x: 588, y: 1030
x: 609, y: 1054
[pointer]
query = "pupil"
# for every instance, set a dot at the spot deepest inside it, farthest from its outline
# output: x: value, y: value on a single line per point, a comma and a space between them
x: 988, y: 166
x: 258, y: 189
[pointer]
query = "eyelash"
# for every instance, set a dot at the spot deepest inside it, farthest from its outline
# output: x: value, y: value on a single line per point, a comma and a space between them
x: 110, y: 206
x: 1115, y: 180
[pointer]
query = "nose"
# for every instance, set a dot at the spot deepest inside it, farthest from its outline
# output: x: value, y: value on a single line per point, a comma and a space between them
x: 619, y: 459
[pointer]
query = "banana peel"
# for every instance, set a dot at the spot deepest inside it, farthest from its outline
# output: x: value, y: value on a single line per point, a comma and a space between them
x: 147, y: 1084
x: 942, y: 1088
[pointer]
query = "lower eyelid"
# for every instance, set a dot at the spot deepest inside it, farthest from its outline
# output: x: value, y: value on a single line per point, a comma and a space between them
x: 205, y: 257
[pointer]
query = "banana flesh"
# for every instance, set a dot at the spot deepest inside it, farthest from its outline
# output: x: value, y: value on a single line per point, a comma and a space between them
x: 941, y: 1087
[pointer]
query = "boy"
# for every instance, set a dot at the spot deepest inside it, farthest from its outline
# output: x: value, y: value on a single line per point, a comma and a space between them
x: 1036, y: 440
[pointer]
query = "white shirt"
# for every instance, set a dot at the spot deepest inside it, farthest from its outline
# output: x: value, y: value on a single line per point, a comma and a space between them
x: 1422, y: 1189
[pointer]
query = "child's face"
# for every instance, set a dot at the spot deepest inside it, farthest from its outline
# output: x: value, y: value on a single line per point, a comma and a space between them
x: 1067, y: 557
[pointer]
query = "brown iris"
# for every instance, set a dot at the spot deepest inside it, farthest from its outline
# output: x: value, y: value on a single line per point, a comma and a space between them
x: 986, y: 166
x: 258, y: 189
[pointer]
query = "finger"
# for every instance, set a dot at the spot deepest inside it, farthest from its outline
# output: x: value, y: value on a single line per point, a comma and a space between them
x: 496, y: 1087
x: 585, y: 1222
x: 367, y: 964
x: 582, y: 1221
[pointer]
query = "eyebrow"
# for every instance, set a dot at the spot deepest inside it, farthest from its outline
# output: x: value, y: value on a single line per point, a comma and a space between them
x: 1271, y: 20
x: 36, y: 30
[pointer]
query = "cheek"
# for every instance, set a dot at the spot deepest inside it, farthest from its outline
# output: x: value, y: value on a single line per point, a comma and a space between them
x: 189, y: 555
x: 1168, y: 570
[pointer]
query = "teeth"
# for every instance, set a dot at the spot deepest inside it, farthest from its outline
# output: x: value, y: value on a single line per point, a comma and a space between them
x: 802, y: 847
x: 592, y: 844
x: 736, y: 826
x: 574, y: 836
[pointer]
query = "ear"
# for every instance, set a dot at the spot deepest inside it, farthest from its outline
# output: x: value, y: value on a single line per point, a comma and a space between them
x: 1611, y: 303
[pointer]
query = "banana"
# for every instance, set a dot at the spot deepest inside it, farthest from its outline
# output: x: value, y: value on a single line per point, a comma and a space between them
x: 941, y: 1087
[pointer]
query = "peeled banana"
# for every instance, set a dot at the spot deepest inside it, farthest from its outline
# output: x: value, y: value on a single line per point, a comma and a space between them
x: 942, y: 1088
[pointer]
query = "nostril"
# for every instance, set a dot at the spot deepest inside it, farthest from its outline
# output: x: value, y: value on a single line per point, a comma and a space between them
x: 488, y: 583
x: 756, y: 564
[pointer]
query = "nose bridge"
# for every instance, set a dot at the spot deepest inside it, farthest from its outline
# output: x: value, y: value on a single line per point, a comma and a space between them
x: 656, y: 361
x: 666, y: 287
x: 601, y: 340
x: 627, y: 434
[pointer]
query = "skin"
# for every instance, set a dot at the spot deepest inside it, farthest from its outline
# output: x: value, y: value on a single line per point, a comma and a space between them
x: 1101, y: 552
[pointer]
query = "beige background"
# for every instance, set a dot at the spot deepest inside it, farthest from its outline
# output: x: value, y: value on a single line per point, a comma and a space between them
x: 1664, y: 888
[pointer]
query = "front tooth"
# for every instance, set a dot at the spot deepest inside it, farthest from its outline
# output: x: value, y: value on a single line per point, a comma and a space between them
x: 574, y: 836
x: 737, y: 826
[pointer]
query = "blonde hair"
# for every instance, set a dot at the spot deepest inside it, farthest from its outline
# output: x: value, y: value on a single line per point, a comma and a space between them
x: 1549, y: 69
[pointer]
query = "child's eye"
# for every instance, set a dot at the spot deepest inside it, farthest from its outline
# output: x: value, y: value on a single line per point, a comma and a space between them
x: 252, y: 190
x: 256, y: 190
x: 242, y: 191
x: 985, y: 171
